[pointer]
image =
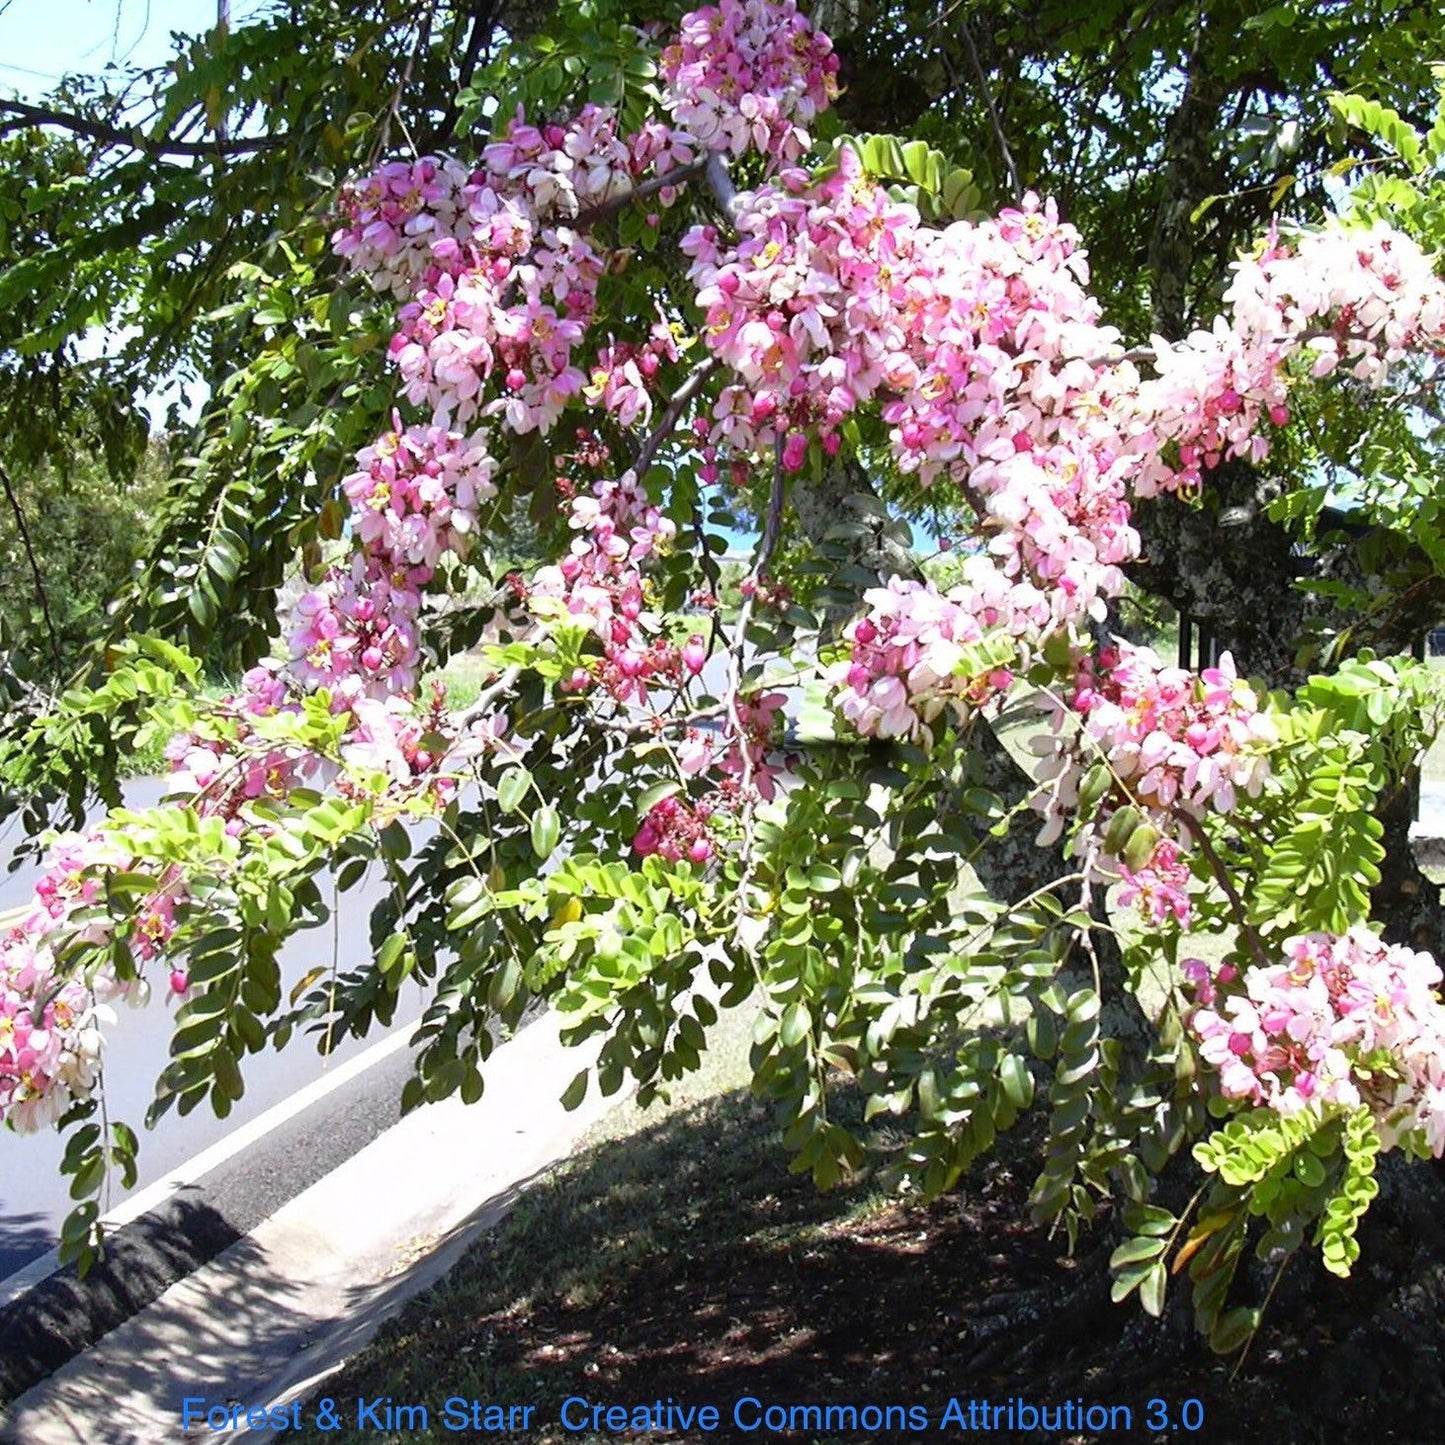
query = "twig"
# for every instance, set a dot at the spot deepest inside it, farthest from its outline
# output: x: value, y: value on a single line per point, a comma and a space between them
x: 605, y: 210
x: 771, y: 528
x: 993, y: 120
x: 393, y: 111
x: 690, y: 387
x: 34, y: 570
x: 1216, y: 864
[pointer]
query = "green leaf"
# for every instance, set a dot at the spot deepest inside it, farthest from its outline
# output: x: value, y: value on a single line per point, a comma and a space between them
x: 1017, y: 1080
x: 795, y: 1024
x: 651, y: 796
x: 546, y: 831
x: 576, y: 1091
x: 512, y: 788
x: 1233, y: 1330
x: 1151, y: 1290
x: 1135, y: 1250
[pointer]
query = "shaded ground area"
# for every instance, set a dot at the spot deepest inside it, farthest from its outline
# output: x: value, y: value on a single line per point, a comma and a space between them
x: 685, y: 1262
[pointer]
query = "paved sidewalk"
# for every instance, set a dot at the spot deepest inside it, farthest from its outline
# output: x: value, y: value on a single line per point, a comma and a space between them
x: 309, y: 1286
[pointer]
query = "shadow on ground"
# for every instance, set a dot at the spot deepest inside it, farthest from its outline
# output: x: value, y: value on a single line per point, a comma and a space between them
x: 63, y: 1315
x: 686, y: 1262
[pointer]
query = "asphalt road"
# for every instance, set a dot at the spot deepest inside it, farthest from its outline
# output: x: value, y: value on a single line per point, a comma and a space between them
x: 33, y: 1197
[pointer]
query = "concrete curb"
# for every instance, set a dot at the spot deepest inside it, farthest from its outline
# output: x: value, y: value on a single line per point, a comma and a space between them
x: 308, y: 1287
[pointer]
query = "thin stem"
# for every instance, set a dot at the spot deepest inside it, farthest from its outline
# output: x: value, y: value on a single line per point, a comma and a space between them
x: 766, y: 547
x: 507, y: 680
x: 29, y: 547
x: 993, y: 119
x: 1221, y: 874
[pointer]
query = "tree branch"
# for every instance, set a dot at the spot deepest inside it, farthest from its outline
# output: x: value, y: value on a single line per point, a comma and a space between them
x: 675, y: 406
x: 607, y: 209
x: 1221, y: 873
x: 15, y: 114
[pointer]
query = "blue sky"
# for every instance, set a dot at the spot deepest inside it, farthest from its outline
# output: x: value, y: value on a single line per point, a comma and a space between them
x: 40, y: 40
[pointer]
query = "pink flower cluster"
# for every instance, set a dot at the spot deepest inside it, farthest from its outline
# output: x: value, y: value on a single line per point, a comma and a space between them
x: 360, y: 621
x: 623, y: 378
x: 1339, y: 1021
x: 501, y: 319
x: 1339, y: 296
x: 750, y: 75
x: 410, y: 745
x: 396, y: 215
x: 219, y: 770
x: 416, y: 494
x: 1178, y: 744
x: 907, y: 662
x: 1160, y: 888
x: 1175, y: 739
x: 995, y: 371
x: 804, y: 306
x: 743, y: 749
x: 984, y: 346
x: 674, y: 829
x: 50, y: 1040
x: 499, y: 287
x: 600, y: 584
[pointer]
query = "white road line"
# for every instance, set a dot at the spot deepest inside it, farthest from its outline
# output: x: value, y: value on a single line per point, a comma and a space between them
x: 199, y: 1165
